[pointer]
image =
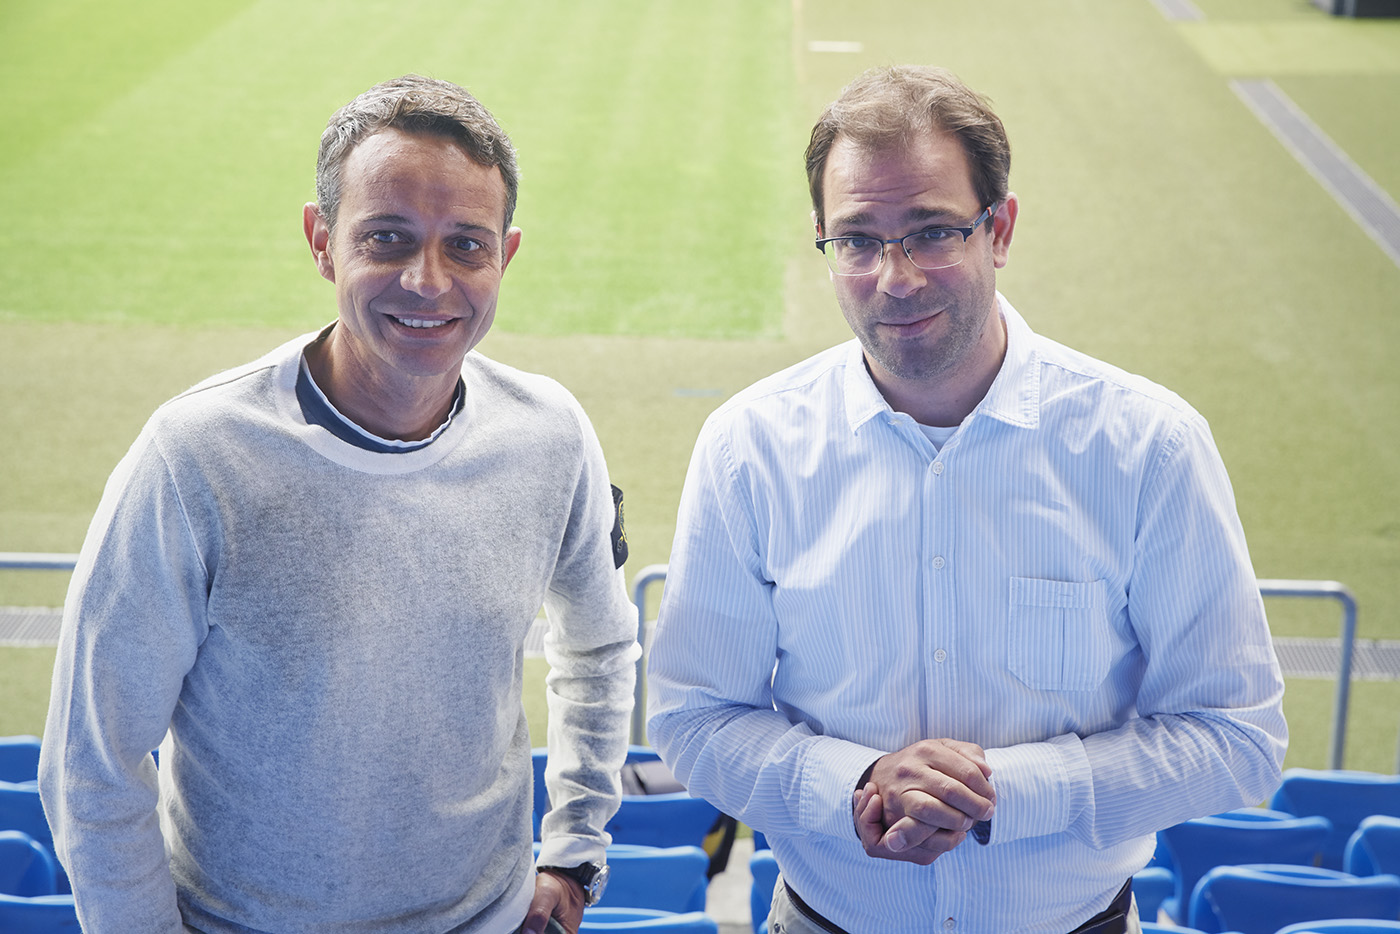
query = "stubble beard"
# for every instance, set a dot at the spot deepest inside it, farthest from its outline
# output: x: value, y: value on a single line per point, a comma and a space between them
x: 928, y: 358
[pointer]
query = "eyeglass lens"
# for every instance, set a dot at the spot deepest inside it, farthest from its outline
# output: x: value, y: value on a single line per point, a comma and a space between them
x: 927, y: 249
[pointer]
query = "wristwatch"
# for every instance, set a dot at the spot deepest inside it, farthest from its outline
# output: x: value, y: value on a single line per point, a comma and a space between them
x: 592, y: 877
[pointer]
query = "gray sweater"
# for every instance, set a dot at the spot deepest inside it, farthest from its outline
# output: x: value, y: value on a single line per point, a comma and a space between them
x: 333, y: 639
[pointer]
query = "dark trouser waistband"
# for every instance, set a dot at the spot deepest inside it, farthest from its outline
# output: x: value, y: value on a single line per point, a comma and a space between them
x: 1112, y: 920
x: 811, y: 912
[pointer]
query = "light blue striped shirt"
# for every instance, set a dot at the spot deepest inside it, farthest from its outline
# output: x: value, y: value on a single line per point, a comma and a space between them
x: 1065, y: 583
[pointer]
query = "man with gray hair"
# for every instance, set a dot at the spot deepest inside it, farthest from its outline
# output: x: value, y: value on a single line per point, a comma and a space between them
x: 310, y: 580
x: 953, y: 579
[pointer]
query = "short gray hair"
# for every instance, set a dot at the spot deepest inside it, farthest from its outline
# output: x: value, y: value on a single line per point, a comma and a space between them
x: 413, y: 104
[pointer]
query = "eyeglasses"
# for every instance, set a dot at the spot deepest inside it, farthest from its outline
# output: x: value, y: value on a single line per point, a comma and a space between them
x: 930, y: 248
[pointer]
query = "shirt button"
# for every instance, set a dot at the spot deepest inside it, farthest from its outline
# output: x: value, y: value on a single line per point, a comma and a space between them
x: 937, y: 468
x: 938, y: 562
x: 949, y: 924
x: 940, y: 656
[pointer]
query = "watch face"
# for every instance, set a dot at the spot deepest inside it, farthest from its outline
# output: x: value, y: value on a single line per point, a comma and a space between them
x: 594, y: 889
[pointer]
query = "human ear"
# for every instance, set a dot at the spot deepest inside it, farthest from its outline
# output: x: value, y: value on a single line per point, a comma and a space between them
x: 318, y: 237
x: 1003, y: 226
x: 510, y: 246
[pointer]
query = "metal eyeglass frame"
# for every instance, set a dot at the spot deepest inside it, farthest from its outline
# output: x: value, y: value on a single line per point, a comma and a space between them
x: 987, y: 214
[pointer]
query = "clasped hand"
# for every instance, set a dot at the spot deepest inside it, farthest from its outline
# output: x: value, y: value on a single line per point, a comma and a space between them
x: 921, y: 801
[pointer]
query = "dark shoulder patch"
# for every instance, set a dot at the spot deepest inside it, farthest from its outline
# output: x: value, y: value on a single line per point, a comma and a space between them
x: 619, y: 533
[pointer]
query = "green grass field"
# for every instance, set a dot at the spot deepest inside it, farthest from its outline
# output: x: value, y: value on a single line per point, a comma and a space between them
x: 157, y: 155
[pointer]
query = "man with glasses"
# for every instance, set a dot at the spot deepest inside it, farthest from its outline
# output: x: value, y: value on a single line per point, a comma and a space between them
x: 953, y: 579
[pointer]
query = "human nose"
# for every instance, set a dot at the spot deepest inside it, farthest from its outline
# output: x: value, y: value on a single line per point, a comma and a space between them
x: 426, y: 275
x: 898, y: 277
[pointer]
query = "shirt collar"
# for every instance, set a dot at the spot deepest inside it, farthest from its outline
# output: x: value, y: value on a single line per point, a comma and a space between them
x: 1014, y: 396
x: 863, y: 399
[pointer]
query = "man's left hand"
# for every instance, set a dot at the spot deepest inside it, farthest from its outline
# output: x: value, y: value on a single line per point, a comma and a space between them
x: 919, y: 844
x: 557, y: 896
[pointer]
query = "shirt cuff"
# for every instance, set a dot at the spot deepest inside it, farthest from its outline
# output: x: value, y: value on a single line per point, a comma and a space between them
x: 1041, y: 787
x: 827, y: 785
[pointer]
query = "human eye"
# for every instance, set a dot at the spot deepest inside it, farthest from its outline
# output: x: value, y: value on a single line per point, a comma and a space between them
x: 471, y: 251
x: 858, y: 244
x: 384, y: 238
x: 934, y: 236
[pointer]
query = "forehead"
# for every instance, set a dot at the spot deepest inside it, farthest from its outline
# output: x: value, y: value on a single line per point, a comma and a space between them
x: 397, y: 172
x: 926, y: 176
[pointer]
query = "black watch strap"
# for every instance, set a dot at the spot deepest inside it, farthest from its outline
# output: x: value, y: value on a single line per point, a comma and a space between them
x: 591, y: 877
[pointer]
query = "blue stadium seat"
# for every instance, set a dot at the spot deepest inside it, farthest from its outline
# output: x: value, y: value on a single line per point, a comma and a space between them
x: 763, y: 869
x: 45, y: 914
x: 665, y: 878
x: 20, y: 810
x: 674, y: 819
x: 600, y: 920
x: 19, y: 758
x: 1261, y: 899
x: 1343, y: 926
x: 27, y: 869
x: 1247, y: 835
x: 1346, y: 798
x: 1374, y: 848
x: 1152, y: 886
x: 539, y: 757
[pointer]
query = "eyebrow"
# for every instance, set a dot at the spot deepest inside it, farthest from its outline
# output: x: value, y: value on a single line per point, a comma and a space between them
x: 389, y: 218
x: 915, y: 215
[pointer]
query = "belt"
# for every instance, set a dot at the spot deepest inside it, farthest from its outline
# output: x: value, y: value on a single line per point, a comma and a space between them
x: 1112, y: 920
x: 811, y: 913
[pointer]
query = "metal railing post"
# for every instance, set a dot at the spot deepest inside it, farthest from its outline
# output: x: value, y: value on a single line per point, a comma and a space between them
x: 651, y: 574
x: 1334, y: 591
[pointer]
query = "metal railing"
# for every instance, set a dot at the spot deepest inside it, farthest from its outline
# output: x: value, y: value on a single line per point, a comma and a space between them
x: 651, y: 574
x: 1329, y: 590
x: 654, y: 574
x: 36, y: 561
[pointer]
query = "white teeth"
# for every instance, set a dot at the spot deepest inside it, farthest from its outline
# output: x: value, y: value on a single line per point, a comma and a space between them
x: 419, y: 323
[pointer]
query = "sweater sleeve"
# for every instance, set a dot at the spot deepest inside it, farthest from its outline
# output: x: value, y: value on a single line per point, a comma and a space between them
x: 592, y: 650
x: 132, y: 625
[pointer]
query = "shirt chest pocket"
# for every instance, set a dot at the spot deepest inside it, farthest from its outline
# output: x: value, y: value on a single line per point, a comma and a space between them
x: 1059, y: 635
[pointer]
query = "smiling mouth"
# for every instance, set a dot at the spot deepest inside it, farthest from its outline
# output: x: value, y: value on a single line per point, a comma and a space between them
x: 908, y: 327
x: 421, y: 322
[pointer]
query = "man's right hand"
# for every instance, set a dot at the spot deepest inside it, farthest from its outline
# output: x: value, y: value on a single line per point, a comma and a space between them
x: 921, y: 801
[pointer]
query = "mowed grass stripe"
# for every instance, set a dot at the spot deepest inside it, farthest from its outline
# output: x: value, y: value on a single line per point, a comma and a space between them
x: 653, y: 171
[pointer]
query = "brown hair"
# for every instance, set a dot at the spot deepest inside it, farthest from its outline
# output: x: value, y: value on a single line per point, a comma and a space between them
x: 414, y: 104
x: 887, y: 107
